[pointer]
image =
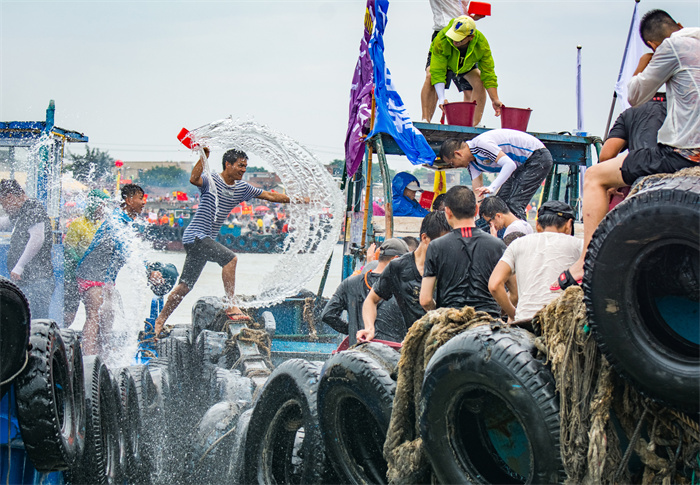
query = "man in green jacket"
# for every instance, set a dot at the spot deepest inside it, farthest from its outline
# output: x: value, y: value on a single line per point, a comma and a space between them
x: 458, y: 48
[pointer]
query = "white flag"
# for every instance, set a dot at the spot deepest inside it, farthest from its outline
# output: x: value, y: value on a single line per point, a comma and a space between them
x: 630, y: 60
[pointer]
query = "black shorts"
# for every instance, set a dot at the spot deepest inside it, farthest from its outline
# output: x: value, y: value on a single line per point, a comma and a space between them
x: 648, y: 161
x: 198, y: 253
x: 520, y: 187
x: 461, y: 83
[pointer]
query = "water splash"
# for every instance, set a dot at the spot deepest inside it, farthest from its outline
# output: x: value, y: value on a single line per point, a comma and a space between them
x: 314, y: 227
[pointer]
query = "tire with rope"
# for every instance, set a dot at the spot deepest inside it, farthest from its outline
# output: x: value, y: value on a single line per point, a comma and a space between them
x: 15, y: 322
x: 212, y: 443
x: 284, y: 442
x: 355, y: 400
x: 45, y: 401
x: 641, y: 288
x: 489, y: 410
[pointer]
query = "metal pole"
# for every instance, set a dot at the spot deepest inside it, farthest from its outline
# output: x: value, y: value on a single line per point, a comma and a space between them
x: 386, y: 184
x: 368, y: 184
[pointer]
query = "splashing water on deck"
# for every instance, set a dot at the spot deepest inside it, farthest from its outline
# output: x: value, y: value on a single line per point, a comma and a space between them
x: 314, y: 227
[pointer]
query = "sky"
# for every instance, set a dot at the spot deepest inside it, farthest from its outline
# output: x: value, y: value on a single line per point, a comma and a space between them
x: 131, y: 74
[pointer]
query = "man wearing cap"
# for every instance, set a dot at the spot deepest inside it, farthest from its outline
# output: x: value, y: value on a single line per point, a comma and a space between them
x: 536, y: 260
x: 443, y: 12
x: 402, y: 279
x: 458, y: 48
x: 403, y: 188
x: 78, y: 238
x: 352, y: 292
x: 29, y: 255
x: 461, y: 262
x: 520, y: 161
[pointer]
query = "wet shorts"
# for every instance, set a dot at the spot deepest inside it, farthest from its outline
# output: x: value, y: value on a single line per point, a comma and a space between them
x: 461, y: 83
x: 198, y: 253
x: 84, y: 285
x: 648, y: 161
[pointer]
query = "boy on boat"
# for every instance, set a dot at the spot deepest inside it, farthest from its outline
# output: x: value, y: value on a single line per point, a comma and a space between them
x: 104, y: 258
x: 200, y: 235
x: 496, y: 213
x: 520, y: 161
x: 454, y: 54
x: 401, y: 279
x: 461, y: 262
x: 675, y: 61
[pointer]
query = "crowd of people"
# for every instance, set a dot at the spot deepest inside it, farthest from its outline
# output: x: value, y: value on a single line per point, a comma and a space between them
x: 507, y: 270
x: 514, y: 271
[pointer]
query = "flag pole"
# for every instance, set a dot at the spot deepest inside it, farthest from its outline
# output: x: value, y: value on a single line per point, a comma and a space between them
x: 622, y: 66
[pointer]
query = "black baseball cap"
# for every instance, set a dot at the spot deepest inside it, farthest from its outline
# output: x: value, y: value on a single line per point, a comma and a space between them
x: 562, y: 209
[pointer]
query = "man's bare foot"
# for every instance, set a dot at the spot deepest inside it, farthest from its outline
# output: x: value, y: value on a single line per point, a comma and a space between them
x: 576, y: 270
x: 235, y: 313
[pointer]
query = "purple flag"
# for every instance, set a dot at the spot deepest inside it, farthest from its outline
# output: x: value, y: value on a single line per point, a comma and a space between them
x: 360, y: 99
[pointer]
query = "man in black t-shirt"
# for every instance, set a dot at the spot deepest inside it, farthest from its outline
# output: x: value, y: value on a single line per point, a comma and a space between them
x: 29, y: 256
x: 461, y: 263
x: 352, y: 292
x: 636, y: 128
x: 401, y: 280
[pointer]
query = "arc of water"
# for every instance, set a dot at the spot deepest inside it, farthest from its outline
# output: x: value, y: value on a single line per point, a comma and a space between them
x: 314, y: 227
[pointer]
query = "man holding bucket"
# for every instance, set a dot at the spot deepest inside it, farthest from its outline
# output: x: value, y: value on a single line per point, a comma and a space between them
x: 458, y: 48
x: 521, y: 161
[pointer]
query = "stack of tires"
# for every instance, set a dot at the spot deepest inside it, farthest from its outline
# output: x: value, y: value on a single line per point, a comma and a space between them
x: 74, y: 415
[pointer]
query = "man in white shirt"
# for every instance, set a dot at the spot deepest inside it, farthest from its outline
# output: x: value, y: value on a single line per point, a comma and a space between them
x: 536, y: 260
x: 676, y: 63
x: 521, y: 161
x: 496, y: 213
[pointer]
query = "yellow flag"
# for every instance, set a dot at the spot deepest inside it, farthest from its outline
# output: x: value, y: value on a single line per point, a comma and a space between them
x: 440, y: 183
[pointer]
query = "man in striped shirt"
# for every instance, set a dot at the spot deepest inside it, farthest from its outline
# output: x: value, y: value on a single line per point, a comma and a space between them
x: 521, y: 161
x: 200, y: 235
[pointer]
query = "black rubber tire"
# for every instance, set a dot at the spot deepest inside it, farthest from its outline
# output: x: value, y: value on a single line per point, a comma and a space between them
x: 14, y: 322
x: 210, y: 351
x: 205, y: 313
x: 183, y: 332
x: 267, y: 244
x: 100, y: 463
x: 74, y: 355
x: 149, y: 451
x: 242, y: 244
x: 648, y: 248
x: 490, y: 412
x: 237, y: 455
x: 275, y: 442
x: 383, y: 354
x: 254, y: 244
x: 130, y: 422
x: 355, y: 400
x: 45, y: 401
x: 178, y: 353
x: 212, y: 442
x: 229, y: 385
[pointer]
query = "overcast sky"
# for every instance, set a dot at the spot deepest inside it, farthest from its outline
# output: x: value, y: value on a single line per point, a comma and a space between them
x: 131, y: 74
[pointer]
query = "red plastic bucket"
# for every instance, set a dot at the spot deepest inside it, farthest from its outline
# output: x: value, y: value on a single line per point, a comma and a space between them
x: 186, y: 139
x: 479, y: 8
x: 515, y: 118
x: 460, y: 113
x: 426, y: 199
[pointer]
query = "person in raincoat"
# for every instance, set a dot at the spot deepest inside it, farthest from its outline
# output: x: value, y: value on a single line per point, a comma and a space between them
x: 404, y: 187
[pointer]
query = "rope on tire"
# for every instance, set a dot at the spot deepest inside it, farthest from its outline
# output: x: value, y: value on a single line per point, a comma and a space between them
x: 589, y: 391
x: 11, y: 378
x: 403, y: 448
x: 644, y: 182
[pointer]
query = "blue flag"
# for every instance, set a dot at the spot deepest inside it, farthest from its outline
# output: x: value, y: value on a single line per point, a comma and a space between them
x: 391, y: 115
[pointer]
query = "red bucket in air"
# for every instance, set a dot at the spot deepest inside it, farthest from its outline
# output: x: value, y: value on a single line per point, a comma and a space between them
x: 479, y: 8
x: 515, y: 118
x: 460, y: 113
x: 186, y: 139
